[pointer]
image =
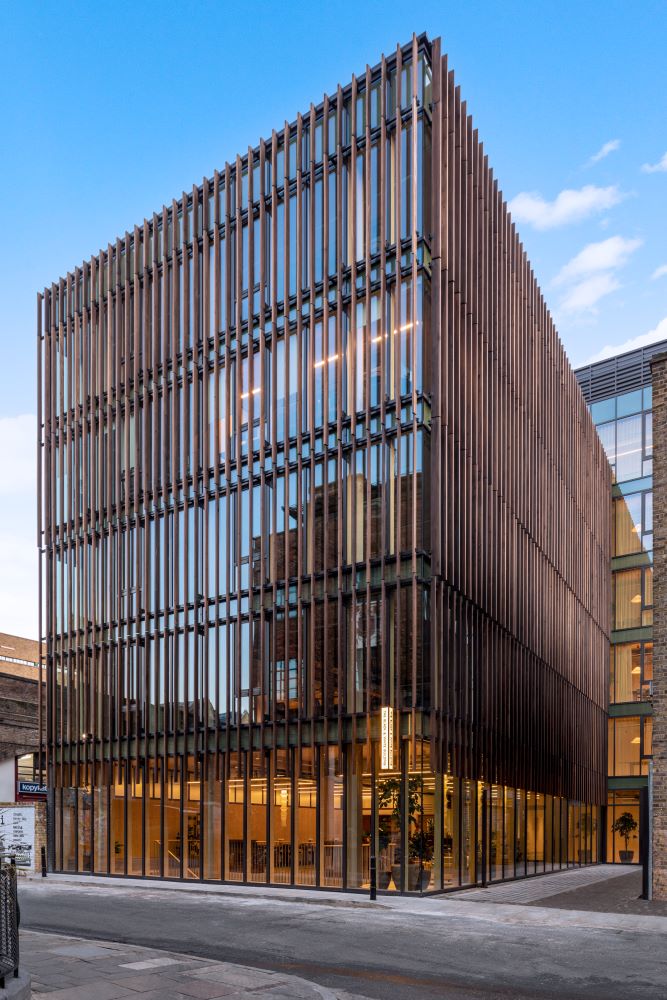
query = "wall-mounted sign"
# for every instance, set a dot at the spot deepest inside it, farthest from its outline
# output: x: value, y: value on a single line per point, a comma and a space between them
x: 17, y: 834
x: 31, y: 788
x: 387, y: 748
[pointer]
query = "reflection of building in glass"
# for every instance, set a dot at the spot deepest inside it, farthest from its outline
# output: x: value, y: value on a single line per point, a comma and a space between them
x: 300, y: 432
x: 618, y: 392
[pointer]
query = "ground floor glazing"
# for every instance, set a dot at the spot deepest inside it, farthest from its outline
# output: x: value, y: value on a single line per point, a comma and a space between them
x: 313, y: 817
x: 624, y: 826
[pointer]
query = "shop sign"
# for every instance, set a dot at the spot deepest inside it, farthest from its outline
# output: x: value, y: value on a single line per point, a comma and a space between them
x: 31, y: 788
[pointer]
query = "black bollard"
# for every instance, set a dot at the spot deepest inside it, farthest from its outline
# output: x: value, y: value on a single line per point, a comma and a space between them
x: 43, y: 861
x: 374, y: 878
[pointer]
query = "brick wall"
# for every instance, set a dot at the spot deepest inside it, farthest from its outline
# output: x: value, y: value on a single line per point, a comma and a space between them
x: 659, y: 378
x: 19, y: 708
x: 40, y: 833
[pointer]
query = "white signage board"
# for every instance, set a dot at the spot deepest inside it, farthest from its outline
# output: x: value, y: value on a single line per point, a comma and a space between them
x: 17, y: 834
x: 387, y: 744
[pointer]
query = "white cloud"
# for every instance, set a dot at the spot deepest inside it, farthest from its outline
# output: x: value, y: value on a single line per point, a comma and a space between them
x: 591, y: 274
x: 568, y: 206
x: 656, y: 168
x: 607, y: 255
x: 18, y: 545
x: 605, y: 150
x: 659, y: 272
x: 652, y: 337
x: 584, y: 296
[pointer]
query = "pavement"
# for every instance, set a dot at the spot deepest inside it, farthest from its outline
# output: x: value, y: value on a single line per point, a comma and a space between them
x: 507, y: 941
x: 622, y: 895
x: 598, y: 889
x: 69, y: 968
x: 537, y: 888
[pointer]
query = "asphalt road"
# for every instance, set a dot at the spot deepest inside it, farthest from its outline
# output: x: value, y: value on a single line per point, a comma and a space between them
x: 466, y: 953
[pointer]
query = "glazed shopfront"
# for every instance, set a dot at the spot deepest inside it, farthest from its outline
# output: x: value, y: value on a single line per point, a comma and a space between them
x: 311, y: 818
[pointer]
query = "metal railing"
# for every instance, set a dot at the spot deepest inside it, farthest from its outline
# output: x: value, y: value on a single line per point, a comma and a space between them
x: 9, y: 919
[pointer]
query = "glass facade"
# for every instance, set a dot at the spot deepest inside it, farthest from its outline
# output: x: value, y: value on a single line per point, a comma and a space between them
x: 315, y: 819
x: 624, y: 424
x: 271, y: 508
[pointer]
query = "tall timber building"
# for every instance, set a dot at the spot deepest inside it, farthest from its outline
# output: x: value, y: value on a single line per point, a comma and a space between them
x: 325, y: 522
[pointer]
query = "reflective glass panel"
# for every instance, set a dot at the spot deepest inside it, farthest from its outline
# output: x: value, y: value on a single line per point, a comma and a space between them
x: 331, y: 817
x: 305, y: 819
x: 281, y: 819
x: 234, y: 802
x: 153, y: 832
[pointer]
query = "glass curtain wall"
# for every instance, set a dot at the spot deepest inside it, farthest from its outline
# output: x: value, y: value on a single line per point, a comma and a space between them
x: 281, y: 855
x: 313, y: 818
x: 625, y: 425
x: 305, y: 817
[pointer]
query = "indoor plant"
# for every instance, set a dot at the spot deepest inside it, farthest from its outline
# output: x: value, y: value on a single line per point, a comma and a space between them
x: 420, y: 851
x: 389, y: 797
x: 384, y: 839
x: 419, y: 838
x: 625, y: 826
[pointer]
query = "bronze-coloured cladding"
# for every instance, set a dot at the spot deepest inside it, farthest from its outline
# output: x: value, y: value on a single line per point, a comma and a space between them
x: 438, y: 542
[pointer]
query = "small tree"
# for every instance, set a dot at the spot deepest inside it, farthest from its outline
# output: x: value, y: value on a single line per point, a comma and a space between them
x: 421, y: 843
x: 625, y: 826
x: 389, y: 797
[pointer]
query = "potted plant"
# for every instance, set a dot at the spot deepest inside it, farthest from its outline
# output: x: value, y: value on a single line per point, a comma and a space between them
x: 389, y: 797
x: 384, y: 839
x: 625, y: 826
x: 420, y: 841
x: 420, y: 853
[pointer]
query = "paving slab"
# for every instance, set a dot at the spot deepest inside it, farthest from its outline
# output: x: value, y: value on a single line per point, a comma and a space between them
x: 204, y: 989
x: 83, y: 950
x: 152, y: 963
x: 90, y: 991
x: 68, y: 968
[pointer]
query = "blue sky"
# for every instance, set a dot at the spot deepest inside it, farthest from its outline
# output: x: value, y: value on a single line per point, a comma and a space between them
x: 110, y: 110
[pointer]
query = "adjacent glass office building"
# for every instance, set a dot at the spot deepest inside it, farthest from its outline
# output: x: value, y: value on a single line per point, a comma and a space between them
x: 618, y: 391
x: 324, y: 522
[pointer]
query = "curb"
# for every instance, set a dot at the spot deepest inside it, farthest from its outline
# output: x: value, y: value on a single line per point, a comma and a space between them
x: 17, y: 988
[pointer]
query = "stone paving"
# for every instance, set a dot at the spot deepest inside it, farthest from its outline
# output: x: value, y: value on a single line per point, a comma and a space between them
x: 618, y: 895
x: 531, y: 890
x: 68, y: 968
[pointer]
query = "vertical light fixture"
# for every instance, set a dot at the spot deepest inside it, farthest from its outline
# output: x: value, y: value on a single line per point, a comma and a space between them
x: 387, y: 747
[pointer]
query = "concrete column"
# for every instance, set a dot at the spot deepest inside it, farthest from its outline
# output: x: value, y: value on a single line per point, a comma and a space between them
x: 659, y: 378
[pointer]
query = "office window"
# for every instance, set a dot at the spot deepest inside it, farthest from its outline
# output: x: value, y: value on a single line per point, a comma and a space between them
x: 627, y: 589
x: 627, y: 524
x: 624, y: 746
x: 629, y: 448
x: 631, y: 672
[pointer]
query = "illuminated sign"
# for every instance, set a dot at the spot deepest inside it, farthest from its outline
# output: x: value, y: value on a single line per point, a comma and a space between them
x: 387, y: 755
